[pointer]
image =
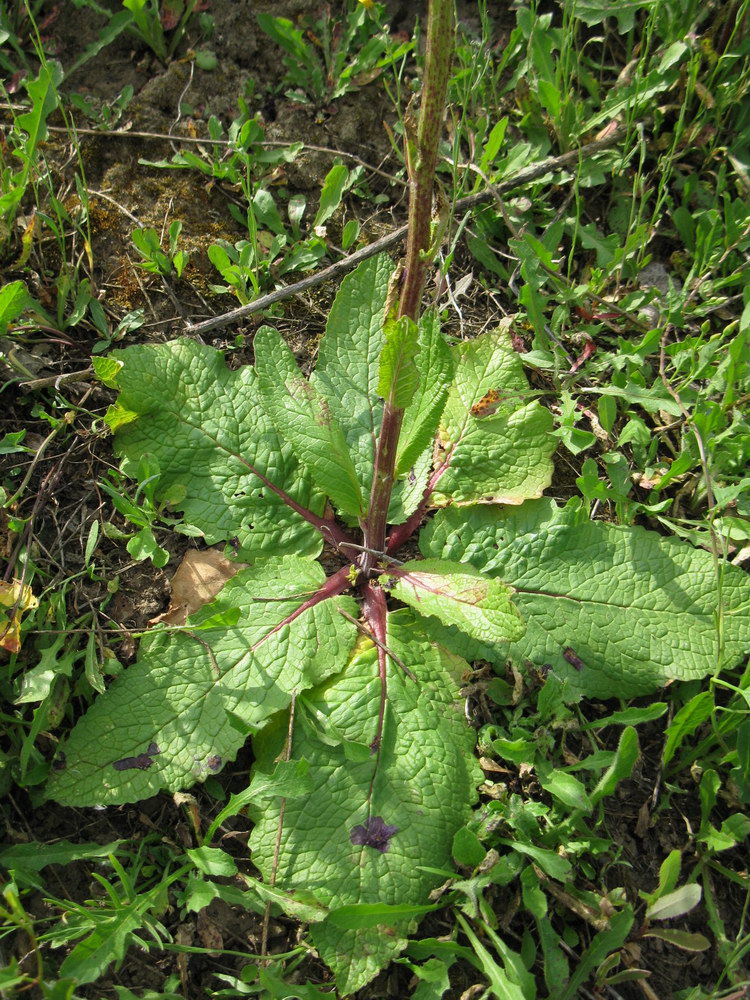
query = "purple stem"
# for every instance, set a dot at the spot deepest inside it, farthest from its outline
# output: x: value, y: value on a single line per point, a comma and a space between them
x: 328, y: 528
x: 376, y: 616
x: 334, y: 585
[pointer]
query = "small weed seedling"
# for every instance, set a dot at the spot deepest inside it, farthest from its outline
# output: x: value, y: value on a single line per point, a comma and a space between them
x: 275, y: 247
x: 327, y: 58
x: 154, y: 258
x: 18, y: 173
x: 161, y: 25
x: 348, y: 677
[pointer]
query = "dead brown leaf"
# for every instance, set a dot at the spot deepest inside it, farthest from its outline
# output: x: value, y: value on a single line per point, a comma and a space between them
x: 209, y: 933
x: 197, y: 580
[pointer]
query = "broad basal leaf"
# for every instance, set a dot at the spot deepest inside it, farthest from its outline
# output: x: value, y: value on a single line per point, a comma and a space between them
x: 185, y: 708
x: 434, y: 363
x: 457, y: 594
x: 304, y: 418
x: 347, y: 371
x: 494, y: 441
x: 370, y: 824
x: 612, y: 610
x: 208, y: 430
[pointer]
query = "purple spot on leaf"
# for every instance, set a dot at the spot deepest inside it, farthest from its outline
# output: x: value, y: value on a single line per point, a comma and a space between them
x: 374, y: 833
x: 142, y: 762
x: 213, y: 763
x: 573, y: 659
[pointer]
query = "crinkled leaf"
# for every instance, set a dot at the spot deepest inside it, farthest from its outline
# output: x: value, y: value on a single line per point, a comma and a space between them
x: 501, y: 452
x: 185, y: 708
x: 304, y: 418
x: 434, y: 363
x: 348, y: 365
x: 457, y: 594
x: 398, y: 376
x: 209, y: 432
x: 610, y: 609
x: 369, y: 825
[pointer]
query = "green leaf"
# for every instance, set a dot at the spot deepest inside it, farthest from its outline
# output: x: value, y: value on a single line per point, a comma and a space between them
x: 681, y: 939
x: 409, y: 490
x: 14, y: 300
x: 630, y: 716
x: 550, y: 862
x: 598, y: 11
x: 185, y: 708
x: 348, y: 368
x: 608, y: 608
x: 303, y: 417
x: 501, y: 452
x: 35, y: 856
x: 44, y: 99
x: 331, y: 193
x: 434, y: 981
x: 653, y: 399
x: 358, y: 916
x: 669, y: 873
x: 603, y: 944
x: 434, y: 363
x: 106, y: 370
x: 457, y: 594
x: 212, y: 861
x: 114, y: 27
x: 676, y: 903
x: 398, y: 375
x: 301, y: 905
x: 564, y: 787
x: 693, y: 714
x: 348, y: 376
x: 210, y: 434
x: 492, y: 145
x: 504, y: 983
x: 626, y: 755
x: 468, y: 849
x: 112, y: 936
x: 370, y: 827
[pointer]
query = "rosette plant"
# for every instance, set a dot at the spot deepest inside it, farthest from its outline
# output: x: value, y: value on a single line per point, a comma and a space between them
x: 389, y: 509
